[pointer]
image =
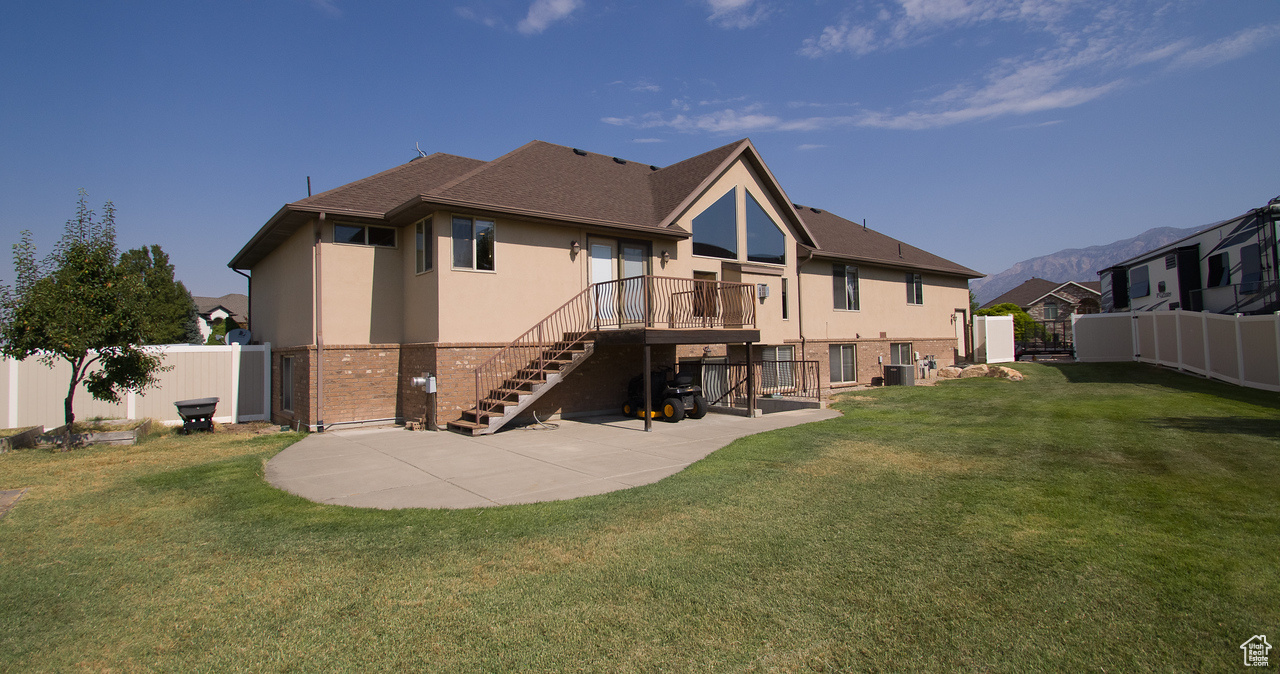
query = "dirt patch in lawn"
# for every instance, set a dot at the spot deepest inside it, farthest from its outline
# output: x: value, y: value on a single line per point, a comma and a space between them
x: 8, y: 498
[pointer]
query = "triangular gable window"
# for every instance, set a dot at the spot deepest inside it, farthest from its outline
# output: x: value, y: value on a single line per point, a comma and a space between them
x: 715, y: 230
x: 765, y: 242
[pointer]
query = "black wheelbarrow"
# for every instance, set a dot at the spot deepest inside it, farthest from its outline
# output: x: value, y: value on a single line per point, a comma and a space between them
x: 197, y: 414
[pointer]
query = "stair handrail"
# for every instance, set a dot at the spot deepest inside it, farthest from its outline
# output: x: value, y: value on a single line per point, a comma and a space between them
x: 656, y: 301
x: 577, y: 313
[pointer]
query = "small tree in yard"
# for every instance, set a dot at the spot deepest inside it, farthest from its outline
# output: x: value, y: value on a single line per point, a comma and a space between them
x: 78, y: 305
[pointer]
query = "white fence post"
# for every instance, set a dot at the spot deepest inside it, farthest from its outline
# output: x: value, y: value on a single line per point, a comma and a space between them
x: 235, y: 382
x: 12, y: 411
x: 1239, y: 350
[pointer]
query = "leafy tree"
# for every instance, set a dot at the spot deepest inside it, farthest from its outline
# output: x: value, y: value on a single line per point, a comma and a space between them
x: 79, y: 307
x: 219, y: 328
x: 169, y: 313
x: 1024, y: 326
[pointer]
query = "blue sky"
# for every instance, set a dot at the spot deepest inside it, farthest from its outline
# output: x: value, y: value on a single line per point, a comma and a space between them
x: 987, y: 131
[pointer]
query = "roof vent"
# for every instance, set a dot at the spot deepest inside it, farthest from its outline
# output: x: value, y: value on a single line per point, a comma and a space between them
x: 798, y: 207
x: 652, y: 167
x: 580, y: 153
x: 619, y: 161
x: 814, y: 209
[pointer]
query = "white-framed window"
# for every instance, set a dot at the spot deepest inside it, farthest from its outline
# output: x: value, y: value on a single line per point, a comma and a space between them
x: 473, y: 243
x: 844, y: 363
x: 364, y: 235
x: 1050, y: 311
x: 844, y: 287
x: 423, y: 236
x: 900, y: 354
x: 286, y: 383
x: 915, y: 289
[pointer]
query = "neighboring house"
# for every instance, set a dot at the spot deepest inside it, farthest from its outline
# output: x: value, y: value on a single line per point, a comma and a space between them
x: 209, y: 309
x: 1053, y: 300
x: 554, y: 264
x: 1226, y: 268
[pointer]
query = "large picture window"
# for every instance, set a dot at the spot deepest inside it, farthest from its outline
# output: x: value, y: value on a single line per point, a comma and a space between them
x: 765, y: 242
x: 715, y: 230
x: 915, y: 289
x: 422, y: 245
x: 844, y: 363
x: 473, y: 243
x: 844, y: 286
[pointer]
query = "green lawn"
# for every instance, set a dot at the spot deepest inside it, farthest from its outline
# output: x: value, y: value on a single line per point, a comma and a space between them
x: 1115, y: 518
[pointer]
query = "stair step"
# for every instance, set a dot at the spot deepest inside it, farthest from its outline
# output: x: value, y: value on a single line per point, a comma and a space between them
x: 467, y: 427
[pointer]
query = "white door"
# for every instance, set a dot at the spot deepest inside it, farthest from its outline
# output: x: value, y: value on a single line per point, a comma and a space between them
x: 603, y: 270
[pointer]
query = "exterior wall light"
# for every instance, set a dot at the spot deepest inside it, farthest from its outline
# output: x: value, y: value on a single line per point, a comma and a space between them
x: 666, y: 257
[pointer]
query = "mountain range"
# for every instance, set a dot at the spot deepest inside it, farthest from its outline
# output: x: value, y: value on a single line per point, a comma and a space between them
x: 1075, y: 264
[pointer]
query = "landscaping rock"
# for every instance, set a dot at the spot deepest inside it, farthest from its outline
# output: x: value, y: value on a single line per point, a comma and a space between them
x: 949, y: 372
x: 1005, y: 373
x: 974, y: 371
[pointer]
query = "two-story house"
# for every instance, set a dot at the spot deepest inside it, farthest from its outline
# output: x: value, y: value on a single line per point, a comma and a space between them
x: 552, y: 265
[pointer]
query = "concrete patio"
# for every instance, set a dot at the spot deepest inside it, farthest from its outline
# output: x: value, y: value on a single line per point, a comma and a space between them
x: 389, y: 467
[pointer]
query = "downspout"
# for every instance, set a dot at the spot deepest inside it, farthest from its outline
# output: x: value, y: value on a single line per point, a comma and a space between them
x: 248, y: 325
x: 800, y: 300
x: 319, y: 329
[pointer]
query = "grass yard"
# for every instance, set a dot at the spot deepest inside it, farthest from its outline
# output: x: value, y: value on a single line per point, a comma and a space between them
x: 1091, y: 518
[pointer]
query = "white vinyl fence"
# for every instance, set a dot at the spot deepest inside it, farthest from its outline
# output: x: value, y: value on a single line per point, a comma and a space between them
x: 993, y: 339
x: 32, y: 393
x: 1243, y: 350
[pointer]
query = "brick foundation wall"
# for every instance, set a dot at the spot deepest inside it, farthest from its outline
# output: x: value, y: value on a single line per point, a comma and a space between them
x: 302, y: 378
x: 370, y: 382
x: 869, y: 352
x: 360, y: 382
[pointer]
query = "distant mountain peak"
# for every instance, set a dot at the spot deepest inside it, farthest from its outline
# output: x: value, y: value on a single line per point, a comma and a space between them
x: 1075, y: 264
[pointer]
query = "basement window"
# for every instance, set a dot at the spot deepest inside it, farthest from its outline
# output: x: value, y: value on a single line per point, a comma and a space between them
x: 362, y: 235
x: 844, y: 363
x: 286, y: 384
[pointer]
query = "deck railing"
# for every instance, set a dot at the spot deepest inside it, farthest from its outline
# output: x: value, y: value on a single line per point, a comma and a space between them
x: 635, y: 302
x: 726, y: 383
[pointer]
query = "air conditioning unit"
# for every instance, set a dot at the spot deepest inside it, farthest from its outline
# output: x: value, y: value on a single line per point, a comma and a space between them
x: 899, y: 375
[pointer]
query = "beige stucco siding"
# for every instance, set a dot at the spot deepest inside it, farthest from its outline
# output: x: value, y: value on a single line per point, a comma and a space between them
x: 421, y: 321
x: 534, y: 274
x: 363, y: 291
x: 282, y: 293
x: 882, y: 305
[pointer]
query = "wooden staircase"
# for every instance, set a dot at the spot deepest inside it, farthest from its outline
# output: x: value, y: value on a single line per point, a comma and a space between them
x: 506, y: 401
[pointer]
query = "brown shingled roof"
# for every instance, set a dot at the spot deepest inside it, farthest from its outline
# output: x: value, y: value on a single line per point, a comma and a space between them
x: 381, y: 192
x: 842, y: 239
x: 560, y: 183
